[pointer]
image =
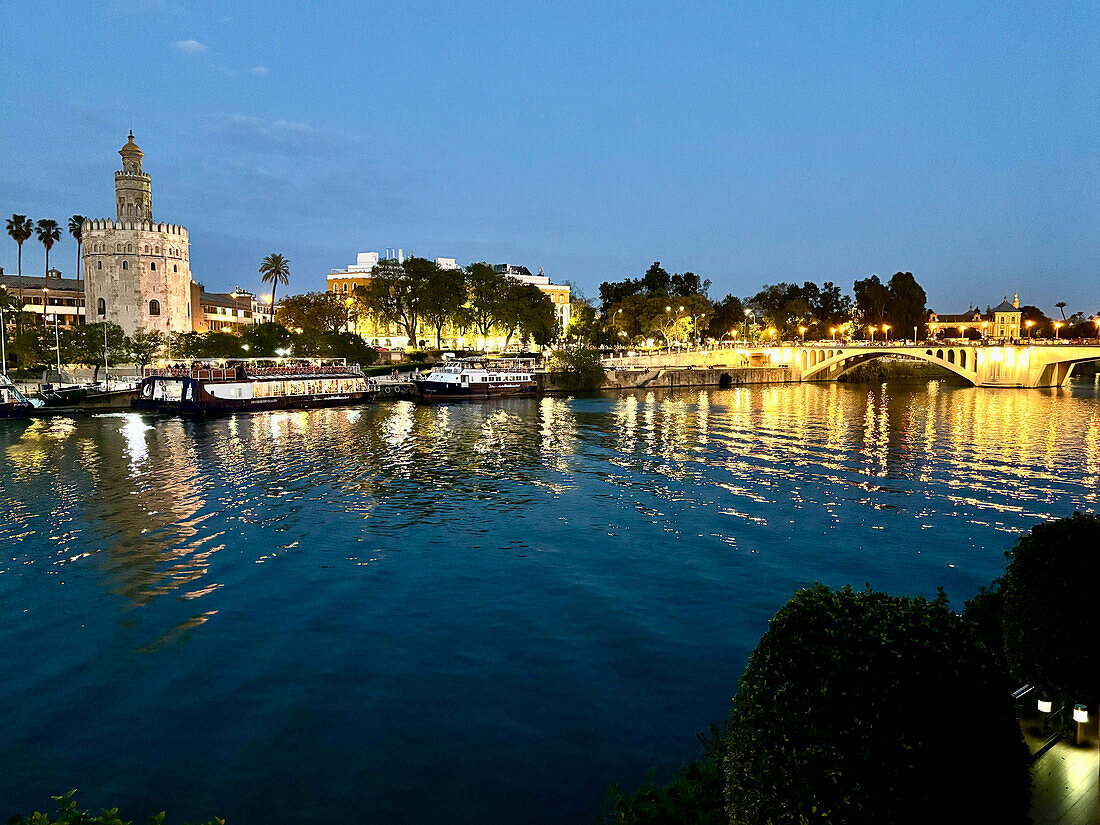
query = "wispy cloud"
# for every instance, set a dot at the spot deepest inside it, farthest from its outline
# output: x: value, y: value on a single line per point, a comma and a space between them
x: 278, y: 137
x: 259, y: 71
x: 189, y: 46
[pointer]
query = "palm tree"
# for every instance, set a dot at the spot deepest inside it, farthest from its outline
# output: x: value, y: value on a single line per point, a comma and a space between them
x: 20, y: 228
x: 275, y: 270
x: 1062, y: 308
x: 75, y: 222
x: 49, y: 233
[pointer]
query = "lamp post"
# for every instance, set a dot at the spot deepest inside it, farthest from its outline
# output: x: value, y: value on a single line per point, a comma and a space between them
x: 1029, y: 325
x: 1057, y: 326
x: 914, y: 336
x: 1081, y: 717
x: 3, y: 342
x: 802, y: 330
x: 871, y: 332
x: 107, y: 369
x: 57, y: 343
x: 885, y: 329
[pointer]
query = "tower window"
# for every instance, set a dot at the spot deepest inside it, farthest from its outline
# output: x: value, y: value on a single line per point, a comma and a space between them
x: 101, y: 307
x: 154, y: 307
x: 99, y: 264
x: 125, y: 265
x: 153, y: 266
x: 175, y: 268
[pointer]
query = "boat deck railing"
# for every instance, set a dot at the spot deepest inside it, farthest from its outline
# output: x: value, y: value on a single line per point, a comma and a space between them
x: 243, y: 372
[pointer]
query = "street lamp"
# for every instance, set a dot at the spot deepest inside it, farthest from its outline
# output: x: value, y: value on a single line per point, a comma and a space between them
x: 45, y: 303
x: 802, y: 330
x: 3, y: 332
x: 1057, y: 326
x: 57, y: 343
x: 885, y: 329
x: 871, y: 330
x: 1029, y: 325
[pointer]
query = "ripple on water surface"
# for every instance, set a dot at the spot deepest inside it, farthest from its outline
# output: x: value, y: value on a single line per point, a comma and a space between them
x: 441, y: 613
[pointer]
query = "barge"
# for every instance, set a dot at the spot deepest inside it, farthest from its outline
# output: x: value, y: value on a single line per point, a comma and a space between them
x: 219, y: 387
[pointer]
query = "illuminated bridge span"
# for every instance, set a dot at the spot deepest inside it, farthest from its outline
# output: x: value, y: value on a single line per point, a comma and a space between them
x: 981, y: 365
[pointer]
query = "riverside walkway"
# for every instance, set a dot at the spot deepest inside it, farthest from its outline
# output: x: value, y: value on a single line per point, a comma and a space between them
x: 1047, y: 364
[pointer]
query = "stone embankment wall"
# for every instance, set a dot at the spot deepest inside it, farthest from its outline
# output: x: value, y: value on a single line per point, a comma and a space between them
x: 672, y: 378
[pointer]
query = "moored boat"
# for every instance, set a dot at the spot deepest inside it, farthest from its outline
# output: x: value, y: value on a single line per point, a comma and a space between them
x: 214, y: 387
x: 472, y: 378
x: 13, y: 404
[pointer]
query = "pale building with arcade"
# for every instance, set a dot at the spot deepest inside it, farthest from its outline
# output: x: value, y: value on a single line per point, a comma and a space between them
x: 1002, y: 323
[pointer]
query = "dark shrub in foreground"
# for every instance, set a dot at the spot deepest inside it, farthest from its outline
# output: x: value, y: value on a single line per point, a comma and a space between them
x: 859, y: 707
x: 69, y: 814
x: 1051, y: 610
x: 693, y: 797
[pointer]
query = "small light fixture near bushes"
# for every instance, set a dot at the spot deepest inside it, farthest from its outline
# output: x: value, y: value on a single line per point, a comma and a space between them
x: 1080, y: 713
x: 1044, y: 706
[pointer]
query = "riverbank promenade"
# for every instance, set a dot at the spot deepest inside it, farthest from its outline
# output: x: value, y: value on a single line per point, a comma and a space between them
x: 1064, y: 787
x: 1047, y: 364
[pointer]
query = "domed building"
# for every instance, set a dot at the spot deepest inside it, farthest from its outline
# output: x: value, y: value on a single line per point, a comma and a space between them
x: 137, y: 271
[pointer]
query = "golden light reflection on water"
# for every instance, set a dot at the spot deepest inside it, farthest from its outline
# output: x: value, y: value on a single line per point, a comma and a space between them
x: 154, y: 503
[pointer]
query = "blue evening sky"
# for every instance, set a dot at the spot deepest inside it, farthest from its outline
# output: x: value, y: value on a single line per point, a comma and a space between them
x: 749, y: 142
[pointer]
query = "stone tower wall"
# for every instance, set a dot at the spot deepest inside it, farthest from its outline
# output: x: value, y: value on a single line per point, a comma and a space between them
x: 134, y: 196
x: 157, y: 268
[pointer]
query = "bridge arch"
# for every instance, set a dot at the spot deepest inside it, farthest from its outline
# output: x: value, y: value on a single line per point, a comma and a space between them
x: 834, y: 363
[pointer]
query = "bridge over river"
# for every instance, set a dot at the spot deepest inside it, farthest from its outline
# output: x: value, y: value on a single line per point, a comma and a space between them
x: 983, y: 365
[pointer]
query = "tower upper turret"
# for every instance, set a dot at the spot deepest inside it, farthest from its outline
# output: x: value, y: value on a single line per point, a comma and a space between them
x: 133, y: 188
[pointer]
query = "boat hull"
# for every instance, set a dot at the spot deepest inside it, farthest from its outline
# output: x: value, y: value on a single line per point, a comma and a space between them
x: 445, y: 391
x: 16, y: 410
x: 229, y: 406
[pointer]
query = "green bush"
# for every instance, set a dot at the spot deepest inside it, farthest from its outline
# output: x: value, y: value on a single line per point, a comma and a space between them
x: 860, y: 707
x: 577, y: 369
x: 693, y: 797
x: 1051, y: 612
x: 69, y: 814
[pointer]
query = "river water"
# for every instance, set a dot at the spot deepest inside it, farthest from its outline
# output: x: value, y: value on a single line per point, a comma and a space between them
x: 478, y: 613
